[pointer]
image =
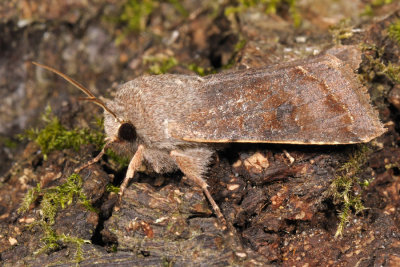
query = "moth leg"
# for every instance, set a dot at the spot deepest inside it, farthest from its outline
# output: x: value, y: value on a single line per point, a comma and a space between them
x: 133, y: 166
x: 193, y: 163
x: 97, y: 158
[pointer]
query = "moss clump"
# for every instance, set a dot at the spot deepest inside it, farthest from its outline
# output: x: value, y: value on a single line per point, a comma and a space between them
x: 53, y: 241
x: 341, y: 31
x: 134, y: 15
x: 344, y: 187
x: 112, y: 188
x: 376, y: 66
x: 269, y: 7
x: 369, y: 8
x: 54, y: 199
x: 200, y: 70
x: 59, y: 197
x: 54, y: 136
x: 394, y: 31
x: 29, y: 198
x: 160, y: 64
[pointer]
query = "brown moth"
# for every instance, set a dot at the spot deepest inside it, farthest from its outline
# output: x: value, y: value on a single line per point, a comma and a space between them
x: 173, y: 121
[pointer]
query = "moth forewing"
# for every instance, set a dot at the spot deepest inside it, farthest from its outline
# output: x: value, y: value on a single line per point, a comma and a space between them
x: 318, y: 101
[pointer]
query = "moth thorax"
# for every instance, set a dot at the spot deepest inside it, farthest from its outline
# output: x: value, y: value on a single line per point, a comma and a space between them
x: 127, y: 132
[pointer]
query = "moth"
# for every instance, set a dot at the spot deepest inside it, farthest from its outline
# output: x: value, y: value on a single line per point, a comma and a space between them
x: 173, y: 122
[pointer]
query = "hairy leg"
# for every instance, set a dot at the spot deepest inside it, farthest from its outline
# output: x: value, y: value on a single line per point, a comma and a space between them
x: 193, y: 163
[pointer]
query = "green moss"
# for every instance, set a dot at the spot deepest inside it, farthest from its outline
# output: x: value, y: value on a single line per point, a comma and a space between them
x: 392, y: 165
x: 376, y: 66
x: 61, y: 196
x: 356, y: 160
x: 378, y: 3
x: 369, y: 8
x: 240, y: 45
x: 341, y: 31
x: 112, y: 188
x: 53, y: 136
x: 232, y: 61
x: 114, y: 248
x: 30, y: 198
x: 53, y: 241
x: 54, y: 199
x: 368, y: 11
x: 294, y: 13
x: 344, y: 187
x: 134, y: 15
x: 160, y: 64
x: 392, y: 71
x: 179, y: 7
x: 200, y: 70
x: 268, y: 6
x: 8, y: 142
x: 394, y: 31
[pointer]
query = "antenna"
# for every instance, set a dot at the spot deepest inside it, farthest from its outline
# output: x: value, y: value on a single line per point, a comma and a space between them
x: 91, y: 97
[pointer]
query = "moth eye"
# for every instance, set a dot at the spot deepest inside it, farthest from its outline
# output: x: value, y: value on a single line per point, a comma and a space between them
x: 127, y: 132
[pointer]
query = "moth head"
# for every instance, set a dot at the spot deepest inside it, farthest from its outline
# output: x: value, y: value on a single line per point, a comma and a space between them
x: 123, y: 131
x: 120, y: 133
x: 123, y: 134
x: 126, y: 132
